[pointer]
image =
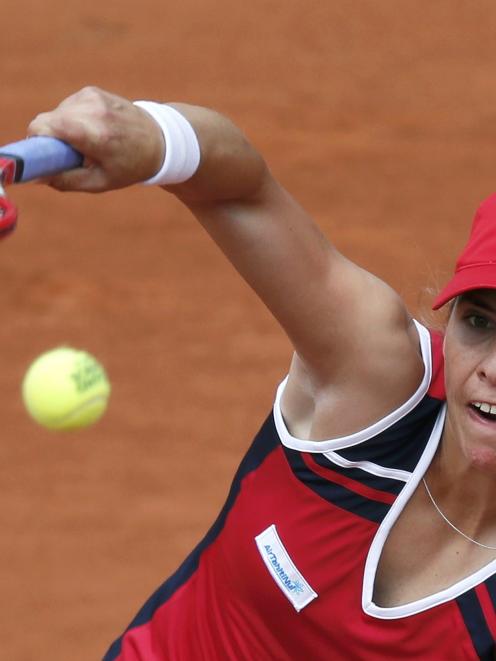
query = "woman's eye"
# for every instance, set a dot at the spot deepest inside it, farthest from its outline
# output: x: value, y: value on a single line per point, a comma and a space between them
x: 480, y: 322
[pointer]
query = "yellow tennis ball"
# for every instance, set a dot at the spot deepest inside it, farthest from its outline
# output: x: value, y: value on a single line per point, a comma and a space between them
x: 65, y: 389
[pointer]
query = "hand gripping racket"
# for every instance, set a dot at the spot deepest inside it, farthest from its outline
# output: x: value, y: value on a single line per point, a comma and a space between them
x: 39, y: 156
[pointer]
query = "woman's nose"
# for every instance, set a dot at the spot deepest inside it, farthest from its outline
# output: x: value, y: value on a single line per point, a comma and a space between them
x: 487, y: 367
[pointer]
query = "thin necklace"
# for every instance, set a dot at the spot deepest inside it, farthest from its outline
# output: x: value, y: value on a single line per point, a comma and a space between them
x: 474, y: 541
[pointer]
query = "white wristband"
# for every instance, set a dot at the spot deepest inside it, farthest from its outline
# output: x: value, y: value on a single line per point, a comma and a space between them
x: 182, y: 149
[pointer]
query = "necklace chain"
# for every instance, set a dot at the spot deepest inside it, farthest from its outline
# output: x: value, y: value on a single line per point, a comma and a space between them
x: 474, y: 541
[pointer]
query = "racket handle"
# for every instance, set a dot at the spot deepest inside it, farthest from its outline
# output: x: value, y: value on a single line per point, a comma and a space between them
x: 40, y: 156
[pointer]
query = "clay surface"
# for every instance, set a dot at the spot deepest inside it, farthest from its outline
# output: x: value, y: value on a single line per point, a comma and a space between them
x: 380, y: 117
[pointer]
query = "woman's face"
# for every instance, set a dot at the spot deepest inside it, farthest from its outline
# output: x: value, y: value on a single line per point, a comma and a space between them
x: 470, y: 374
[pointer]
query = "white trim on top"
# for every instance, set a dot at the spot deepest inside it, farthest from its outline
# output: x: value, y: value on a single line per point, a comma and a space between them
x: 414, y: 607
x: 378, y: 427
x: 369, y: 467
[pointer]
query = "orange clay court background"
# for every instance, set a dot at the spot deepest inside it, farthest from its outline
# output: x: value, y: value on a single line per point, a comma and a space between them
x: 379, y: 116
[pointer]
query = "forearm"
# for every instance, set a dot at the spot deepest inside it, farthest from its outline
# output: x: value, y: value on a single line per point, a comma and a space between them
x: 230, y: 167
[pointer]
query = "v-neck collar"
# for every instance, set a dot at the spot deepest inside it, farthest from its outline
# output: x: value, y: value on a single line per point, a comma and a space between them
x: 381, y: 536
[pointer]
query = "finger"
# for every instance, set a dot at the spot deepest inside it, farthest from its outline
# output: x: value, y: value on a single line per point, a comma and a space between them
x: 42, y: 124
x: 87, y: 180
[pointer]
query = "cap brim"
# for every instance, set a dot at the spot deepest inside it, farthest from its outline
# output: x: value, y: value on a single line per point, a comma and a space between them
x: 479, y: 276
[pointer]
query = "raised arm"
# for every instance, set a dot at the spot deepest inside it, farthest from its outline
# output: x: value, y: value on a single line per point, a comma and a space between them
x: 350, y: 331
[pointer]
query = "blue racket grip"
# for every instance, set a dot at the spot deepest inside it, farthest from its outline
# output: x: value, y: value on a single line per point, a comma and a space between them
x: 40, y: 156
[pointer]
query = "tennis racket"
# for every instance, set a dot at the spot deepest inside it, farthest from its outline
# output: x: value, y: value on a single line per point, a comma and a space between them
x: 39, y: 156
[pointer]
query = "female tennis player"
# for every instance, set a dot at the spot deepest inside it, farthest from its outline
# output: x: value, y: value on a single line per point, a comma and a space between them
x: 361, y: 524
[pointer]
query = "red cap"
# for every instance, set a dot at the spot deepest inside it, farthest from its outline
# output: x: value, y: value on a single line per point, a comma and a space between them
x: 476, y: 266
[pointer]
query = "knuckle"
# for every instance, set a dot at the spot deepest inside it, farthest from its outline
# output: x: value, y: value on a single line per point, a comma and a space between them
x: 40, y: 125
x: 91, y: 92
x: 35, y: 124
x: 95, y: 99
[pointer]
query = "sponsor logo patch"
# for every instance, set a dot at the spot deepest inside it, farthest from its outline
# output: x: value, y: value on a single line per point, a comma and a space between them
x: 283, y: 570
